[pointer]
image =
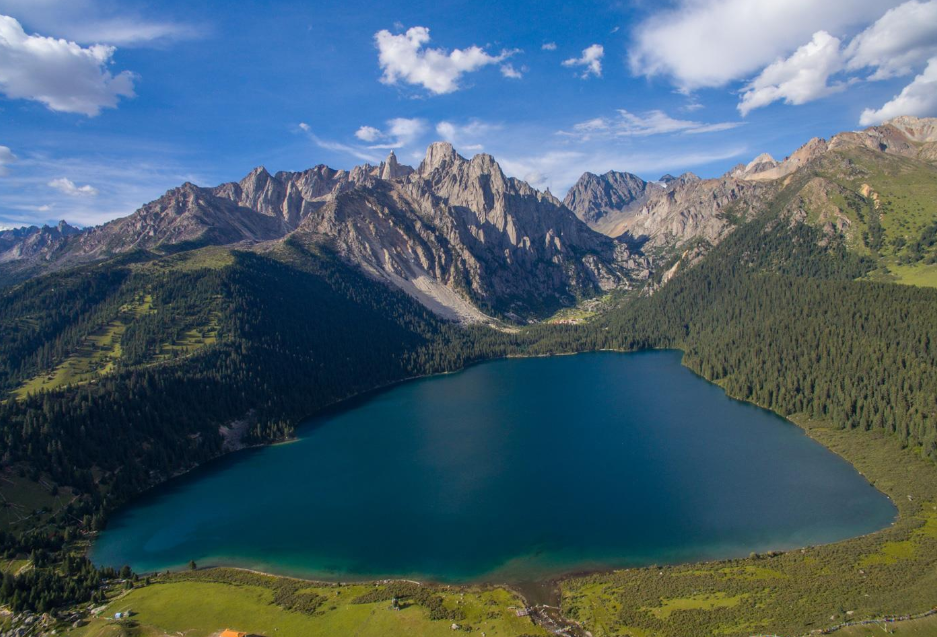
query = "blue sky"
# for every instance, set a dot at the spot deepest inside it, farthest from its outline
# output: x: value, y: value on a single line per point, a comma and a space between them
x: 106, y: 104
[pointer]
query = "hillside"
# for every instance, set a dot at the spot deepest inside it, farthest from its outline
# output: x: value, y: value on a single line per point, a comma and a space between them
x: 765, y: 291
x: 873, y: 187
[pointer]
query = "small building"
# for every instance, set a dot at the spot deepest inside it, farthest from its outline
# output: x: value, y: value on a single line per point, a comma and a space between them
x: 227, y: 632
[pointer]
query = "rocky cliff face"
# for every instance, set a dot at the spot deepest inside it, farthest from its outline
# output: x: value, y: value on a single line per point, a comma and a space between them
x: 466, y: 240
x: 458, y: 234
x: 691, y: 208
x: 33, y: 242
x: 455, y: 233
x: 688, y: 208
x: 604, y: 201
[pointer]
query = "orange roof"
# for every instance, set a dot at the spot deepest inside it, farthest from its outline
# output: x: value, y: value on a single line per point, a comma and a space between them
x: 227, y: 632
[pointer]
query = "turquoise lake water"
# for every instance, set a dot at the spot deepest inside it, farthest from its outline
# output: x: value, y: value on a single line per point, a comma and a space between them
x: 512, y: 470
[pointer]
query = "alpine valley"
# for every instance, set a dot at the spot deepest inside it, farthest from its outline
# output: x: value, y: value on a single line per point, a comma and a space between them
x: 218, y: 318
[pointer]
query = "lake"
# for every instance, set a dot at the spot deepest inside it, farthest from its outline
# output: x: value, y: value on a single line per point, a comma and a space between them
x: 509, y: 471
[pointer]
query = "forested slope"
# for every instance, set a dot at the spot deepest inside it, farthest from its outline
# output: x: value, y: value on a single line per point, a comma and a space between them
x: 172, y: 349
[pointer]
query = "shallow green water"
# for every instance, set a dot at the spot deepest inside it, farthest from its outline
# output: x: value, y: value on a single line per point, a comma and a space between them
x: 511, y: 470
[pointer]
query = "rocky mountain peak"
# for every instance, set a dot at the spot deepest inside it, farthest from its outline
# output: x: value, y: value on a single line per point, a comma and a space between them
x: 65, y: 229
x: 764, y: 159
x: 917, y: 129
x: 439, y: 154
x: 390, y: 168
x: 597, y: 198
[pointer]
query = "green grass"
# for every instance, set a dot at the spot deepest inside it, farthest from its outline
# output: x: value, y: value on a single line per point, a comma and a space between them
x: 192, y: 340
x: 901, y: 190
x: 97, y: 355
x: 100, y: 351
x: 209, y: 258
x: 199, y: 609
x: 700, y: 601
x: 920, y: 275
x: 23, y: 500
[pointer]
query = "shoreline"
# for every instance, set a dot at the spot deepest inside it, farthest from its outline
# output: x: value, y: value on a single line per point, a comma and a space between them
x: 548, y: 591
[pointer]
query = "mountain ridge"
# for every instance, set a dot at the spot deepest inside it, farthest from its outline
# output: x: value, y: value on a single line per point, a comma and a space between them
x: 468, y: 241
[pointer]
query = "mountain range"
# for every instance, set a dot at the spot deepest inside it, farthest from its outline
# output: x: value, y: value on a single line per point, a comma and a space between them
x: 470, y: 243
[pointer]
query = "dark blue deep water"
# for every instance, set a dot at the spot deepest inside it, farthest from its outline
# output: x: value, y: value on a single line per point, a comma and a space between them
x: 511, y: 470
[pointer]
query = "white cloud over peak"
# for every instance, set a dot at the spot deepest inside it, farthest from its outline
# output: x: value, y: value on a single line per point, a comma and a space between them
x: 368, y: 134
x: 709, y: 43
x: 902, y: 38
x: 67, y: 187
x: 6, y: 157
x: 355, y: 151
x: 917, y: 98
x: 627, y: 124
x: 404, y: 57
x: 591, y: 59
x: 400, y: 132
x: 62, y: 75
x: 801, y: 78
x: 468, y: 137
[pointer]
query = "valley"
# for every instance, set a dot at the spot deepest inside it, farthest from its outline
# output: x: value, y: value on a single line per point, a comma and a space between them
x: 269, y: 300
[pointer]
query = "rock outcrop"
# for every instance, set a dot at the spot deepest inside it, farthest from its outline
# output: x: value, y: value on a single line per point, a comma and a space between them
x: 457, y: 234
x: 604, y: 201
x: 688, y: 208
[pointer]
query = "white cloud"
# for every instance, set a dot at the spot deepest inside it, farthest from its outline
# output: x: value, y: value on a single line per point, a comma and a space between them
x: 709, y: 43
x: 91, y: 22
x: 917, y: 98
x: 468, y: 137
x: 403, y: 57
x: 801, y: 78
x: 904, y: 37
x: 125, y: 172
x: 62, y: 75
x: 629, y: 124
x: 549, y: 46
x: 67, y: 187
x: 6, y: 157
x: 400, y: 132
x: 560, y: 169
x: 591, y: 58
x: 508, y: 70
x: 368, y: 134
x: 354, y: 151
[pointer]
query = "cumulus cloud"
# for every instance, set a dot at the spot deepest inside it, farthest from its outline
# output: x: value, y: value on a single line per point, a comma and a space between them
x: 67, y: 187
x: 549, y: 46
x: 627, y: 124
x: 400, y: 132
x: 709, y: 43
x: 801, y: 78
x: 6, y: 157
x: 62, y: 75
x: 903, y: 38
x: 508, y: 70
x: 368, y: 134
x: 403, y: 57
x: 917, y: 98
x: 591, y: 59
